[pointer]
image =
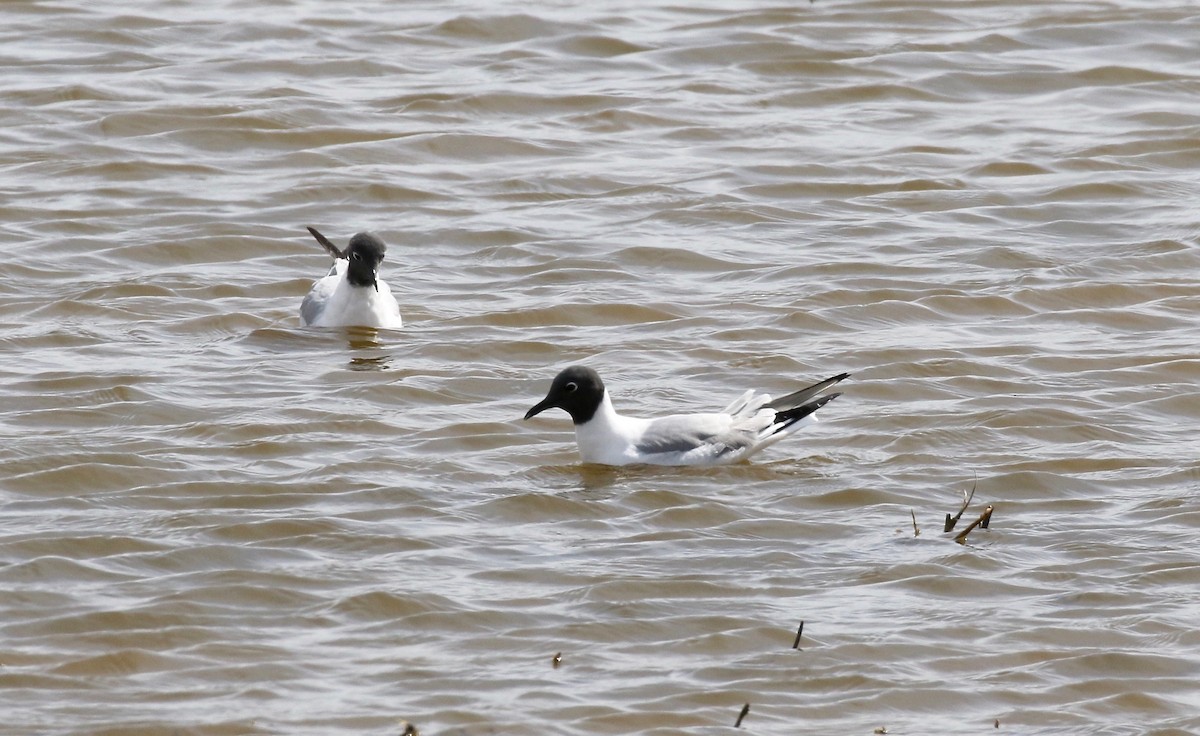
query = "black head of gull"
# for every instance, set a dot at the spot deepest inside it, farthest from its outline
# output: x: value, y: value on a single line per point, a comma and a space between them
x: 365, y: 253
x: 577, y: 390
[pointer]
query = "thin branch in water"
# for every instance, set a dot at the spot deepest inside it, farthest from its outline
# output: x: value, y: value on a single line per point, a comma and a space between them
x: 745, y: 710
x: 799, y: 633
x: 916, y: 529
x: 952, y: 520
x: 983, y: 520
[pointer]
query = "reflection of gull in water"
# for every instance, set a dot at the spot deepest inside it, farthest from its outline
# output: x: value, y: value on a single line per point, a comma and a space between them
x: 751, y: 423
x: 367, y: 339
x: 351, y: 294
x: 376, y: 363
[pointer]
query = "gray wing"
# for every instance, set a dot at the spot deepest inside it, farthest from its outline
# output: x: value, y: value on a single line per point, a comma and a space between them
x: 318, y: 297
x: 310, y: 310
x: 685, y: 433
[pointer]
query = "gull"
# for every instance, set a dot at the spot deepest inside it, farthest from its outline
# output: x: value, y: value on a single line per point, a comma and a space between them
x: 750, y: 424
x: 351, y: 294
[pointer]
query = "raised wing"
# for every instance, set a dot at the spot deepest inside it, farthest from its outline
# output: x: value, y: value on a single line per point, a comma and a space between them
x: 802, y: 396
x: 332, y: 249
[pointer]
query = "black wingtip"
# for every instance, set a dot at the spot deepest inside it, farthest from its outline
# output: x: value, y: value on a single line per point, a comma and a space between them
x: 797, y: 399
x: 789, y: 417
x: 329, y: 247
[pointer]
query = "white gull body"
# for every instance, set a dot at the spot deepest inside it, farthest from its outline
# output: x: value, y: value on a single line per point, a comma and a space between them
x: 352, y: 294
x: 747, y: 426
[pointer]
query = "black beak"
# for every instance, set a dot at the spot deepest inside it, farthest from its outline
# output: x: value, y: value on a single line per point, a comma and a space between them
x: 543, y: 405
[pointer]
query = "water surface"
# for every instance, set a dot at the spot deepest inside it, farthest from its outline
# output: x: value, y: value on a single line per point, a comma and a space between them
x: 215, y: 522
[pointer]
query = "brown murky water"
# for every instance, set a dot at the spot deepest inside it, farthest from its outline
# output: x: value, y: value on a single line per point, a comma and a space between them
x: 214, y: 522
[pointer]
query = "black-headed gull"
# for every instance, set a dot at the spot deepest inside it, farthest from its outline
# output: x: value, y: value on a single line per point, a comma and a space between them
x: 751, y: 423
x: 351, y: 294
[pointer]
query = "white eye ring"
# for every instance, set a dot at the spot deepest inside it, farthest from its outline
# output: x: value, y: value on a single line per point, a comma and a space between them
x: 356, y: 256
x: 570, y: 387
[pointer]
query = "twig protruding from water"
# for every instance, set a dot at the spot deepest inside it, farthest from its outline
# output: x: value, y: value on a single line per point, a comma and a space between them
x: 982, y: 521
x: 799, y: 633
x: 952, y: 520
x: 745, y: 710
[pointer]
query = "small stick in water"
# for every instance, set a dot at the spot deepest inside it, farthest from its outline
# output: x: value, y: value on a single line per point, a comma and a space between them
x: 982, y: 521
x: 745, y: 710
x: 799, y: 633
x: 951, y: 521
x: 916, y: 530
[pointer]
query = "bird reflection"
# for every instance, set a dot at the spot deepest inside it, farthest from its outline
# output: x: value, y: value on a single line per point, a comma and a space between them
x: 366, y: 339
x: 598, y: 481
